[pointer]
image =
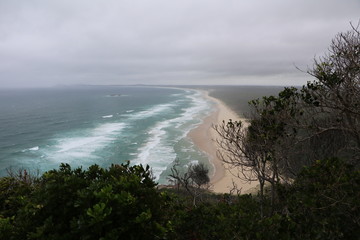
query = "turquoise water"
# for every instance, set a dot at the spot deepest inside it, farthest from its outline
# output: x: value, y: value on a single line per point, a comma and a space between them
x: 41, y: 128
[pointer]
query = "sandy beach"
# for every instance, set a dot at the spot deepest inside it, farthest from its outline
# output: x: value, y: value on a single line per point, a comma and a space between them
x: 204, y: 137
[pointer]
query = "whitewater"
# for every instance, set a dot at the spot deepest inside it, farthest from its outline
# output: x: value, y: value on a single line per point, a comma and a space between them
x: 42, y: 128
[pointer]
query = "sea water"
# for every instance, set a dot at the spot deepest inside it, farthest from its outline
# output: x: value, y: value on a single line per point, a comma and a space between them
x: 42, y: 128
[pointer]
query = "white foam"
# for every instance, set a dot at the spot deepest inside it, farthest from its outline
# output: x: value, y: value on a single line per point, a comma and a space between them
x: 74, y: 143
x: 192, y: 163
x: 84, y: 143
x: 109, y: 128
x: 117, y: 95
x: 153, y: 111
x: 107, y: 116
x: 157, y: 152
x: 36, y: 148
x: 186, y: 150
x: 156, y: 135
x: 129, y: 111
x: 199, y: 108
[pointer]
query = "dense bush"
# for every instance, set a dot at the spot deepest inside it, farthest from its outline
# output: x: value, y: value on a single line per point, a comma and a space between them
x: 119, y: 203
x: 224, y: 219
x: 324, y: 201
x: 122, y: 202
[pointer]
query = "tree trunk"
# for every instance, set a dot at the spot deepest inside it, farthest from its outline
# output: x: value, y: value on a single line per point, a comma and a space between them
x: 261, y: 181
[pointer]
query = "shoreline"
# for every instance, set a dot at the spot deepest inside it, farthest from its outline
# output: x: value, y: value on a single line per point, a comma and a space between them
x: 204, y: 137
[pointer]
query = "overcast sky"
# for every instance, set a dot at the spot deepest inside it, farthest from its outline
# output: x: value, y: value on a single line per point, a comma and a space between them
x: 53, y: 42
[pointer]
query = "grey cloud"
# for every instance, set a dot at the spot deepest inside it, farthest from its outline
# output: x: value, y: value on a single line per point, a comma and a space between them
x: 165, y: 42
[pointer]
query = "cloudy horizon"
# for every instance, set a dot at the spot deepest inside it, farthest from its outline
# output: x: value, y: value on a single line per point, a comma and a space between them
x: 49, y: 43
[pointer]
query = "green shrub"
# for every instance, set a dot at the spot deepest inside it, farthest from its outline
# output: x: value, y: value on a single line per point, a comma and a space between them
x: 116, y: 203
x: 324, y: 201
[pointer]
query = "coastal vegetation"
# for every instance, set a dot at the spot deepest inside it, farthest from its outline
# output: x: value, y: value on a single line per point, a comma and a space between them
x: 123, y: 202
x: 195, y: 180
x: 299, y: 126
x: 302, y: 146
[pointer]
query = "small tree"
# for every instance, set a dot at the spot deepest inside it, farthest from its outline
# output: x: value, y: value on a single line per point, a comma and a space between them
x: 199, y: 174
x: 242, y: 150
x: 195, y: 180
x: 334, y: 96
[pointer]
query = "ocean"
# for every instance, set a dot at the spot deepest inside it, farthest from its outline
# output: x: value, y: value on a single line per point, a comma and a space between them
x: 104, y: 125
